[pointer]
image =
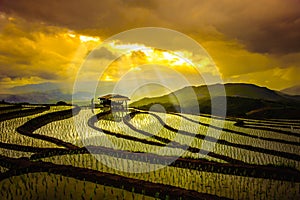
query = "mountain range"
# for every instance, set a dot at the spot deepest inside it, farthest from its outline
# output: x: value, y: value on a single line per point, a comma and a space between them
x: 242, y: 100
x: 46, y: 93
x: 294, y: 90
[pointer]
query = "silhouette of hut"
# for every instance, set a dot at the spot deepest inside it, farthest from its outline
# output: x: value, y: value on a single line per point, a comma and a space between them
x: 114, y: 101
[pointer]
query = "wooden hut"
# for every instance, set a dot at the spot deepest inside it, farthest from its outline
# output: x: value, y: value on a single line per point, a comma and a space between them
x: 114, y: 101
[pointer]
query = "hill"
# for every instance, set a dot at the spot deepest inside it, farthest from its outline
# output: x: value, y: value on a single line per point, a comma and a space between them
x: 37, y: 97
x: 33, y: 88
x: 46, y: 97
x: 243, y: 100
x: 295, y: 90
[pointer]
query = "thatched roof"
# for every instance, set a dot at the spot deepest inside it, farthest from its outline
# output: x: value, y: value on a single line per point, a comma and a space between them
x: 114, y: 97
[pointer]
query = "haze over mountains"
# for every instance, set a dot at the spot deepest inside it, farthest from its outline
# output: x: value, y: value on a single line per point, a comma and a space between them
x: 43, y: 93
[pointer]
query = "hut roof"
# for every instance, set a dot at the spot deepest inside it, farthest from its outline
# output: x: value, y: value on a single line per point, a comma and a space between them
x: 115, y: 97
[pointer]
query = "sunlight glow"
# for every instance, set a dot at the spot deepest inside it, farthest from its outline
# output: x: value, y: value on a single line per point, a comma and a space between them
x: 134, y: 55
x: 84, y: 38
x: 107, y: 78
x: 152, y: 55
x: 71, y: 35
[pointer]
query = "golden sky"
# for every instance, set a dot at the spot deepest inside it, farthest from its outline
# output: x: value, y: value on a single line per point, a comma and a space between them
x: 249, y: 41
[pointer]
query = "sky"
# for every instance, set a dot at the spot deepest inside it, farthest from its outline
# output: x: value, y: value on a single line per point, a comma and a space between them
x: 248, y: 41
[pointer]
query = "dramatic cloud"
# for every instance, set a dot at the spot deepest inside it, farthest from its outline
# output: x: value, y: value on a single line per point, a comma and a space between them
x: 40, y: 40
x: 31, y: 53
x: 264, y: 26
x: 233, y: 59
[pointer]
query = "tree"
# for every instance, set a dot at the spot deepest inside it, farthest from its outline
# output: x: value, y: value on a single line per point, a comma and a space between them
x: 61, y: 103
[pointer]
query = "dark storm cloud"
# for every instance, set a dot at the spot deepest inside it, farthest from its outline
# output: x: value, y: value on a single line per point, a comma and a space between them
x: 264, y: 26
x: 283, y: 36
x: 274, y: 28
x: 100, y: 17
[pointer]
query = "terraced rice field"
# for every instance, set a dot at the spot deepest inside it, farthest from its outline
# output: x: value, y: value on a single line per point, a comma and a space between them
x: 65, y: 152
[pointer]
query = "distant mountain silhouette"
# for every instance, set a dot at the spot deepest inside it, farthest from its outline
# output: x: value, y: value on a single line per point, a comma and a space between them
x: 51, y: 96
x: 244, y: 100
x: 30, y: 88
x: 44, y: 93
x: 295, y: 90
x: 37, y: 97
